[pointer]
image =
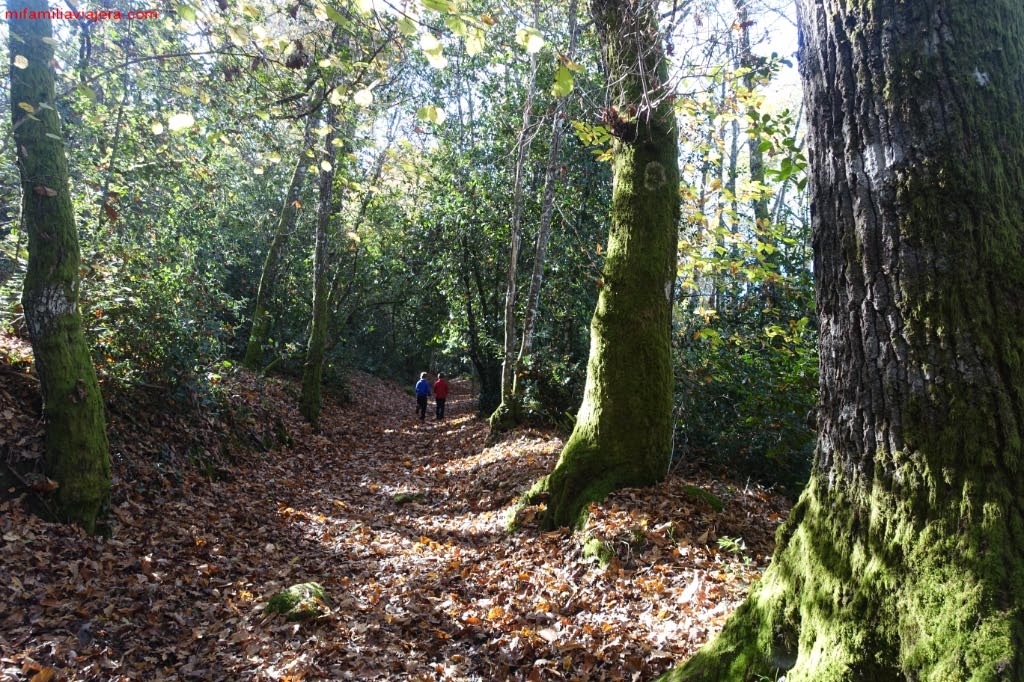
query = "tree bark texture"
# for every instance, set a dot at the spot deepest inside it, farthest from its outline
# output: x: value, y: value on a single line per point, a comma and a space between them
x: 261, y: 315
x: 623, y: 432
x: 547, y: 210
x: 77, y: 454
x: 904, y: 558
x: 509, y: 407
x: 310, y: 400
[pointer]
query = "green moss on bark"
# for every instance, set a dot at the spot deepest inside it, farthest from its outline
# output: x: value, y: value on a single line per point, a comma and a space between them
x: 623, y: 432
x: 904, y: 557
x: 837, y: 606
x: 77, y: 454
x: 311, y: 398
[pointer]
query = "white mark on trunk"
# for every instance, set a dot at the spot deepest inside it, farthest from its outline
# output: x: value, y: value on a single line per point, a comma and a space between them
x: 981, y: 77
x: 45, y: 307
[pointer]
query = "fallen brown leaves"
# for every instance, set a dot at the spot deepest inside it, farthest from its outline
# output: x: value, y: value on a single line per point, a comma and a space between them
x: 403, y: 523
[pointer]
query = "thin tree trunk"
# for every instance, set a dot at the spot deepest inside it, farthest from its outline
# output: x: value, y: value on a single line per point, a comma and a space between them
x: 77, y: 455
x: 547, y: 210
x: 487, y: 369
x: 310, y: 400
x: 759, y: 203
x: 508, y: 366
x: 623, y: 432
x: 904, y: 558
x: 261, y: 317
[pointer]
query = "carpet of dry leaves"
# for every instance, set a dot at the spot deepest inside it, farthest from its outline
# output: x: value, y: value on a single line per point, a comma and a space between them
x: 402, y: 522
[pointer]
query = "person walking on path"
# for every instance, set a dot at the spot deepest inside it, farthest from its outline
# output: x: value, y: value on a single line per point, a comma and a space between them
x: 440, y: 396
x: 422, y: 393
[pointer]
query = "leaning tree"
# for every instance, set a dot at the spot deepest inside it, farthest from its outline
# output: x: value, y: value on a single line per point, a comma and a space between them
x: 903, y: 558
x: 623, y: 431
x: 77, y: 455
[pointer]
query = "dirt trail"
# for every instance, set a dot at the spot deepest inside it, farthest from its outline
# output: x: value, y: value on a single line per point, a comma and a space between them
x: 403, y: 523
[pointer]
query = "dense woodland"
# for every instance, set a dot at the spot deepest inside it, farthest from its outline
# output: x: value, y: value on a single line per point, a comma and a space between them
x: 675, y: 294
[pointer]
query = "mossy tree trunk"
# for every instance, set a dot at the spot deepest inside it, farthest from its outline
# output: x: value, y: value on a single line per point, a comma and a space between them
x: 261, y: 317
x: 77, y: 455
x: 623, y: 432
x: 311, y: 399
x: 904, y: 558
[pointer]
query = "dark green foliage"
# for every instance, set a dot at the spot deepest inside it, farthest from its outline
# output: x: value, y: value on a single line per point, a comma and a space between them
x: 746, y: 397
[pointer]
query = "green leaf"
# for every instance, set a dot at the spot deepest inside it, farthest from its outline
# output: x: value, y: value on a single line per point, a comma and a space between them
x: 530, y: 39
x: 438, y: 5
x: 431, y: 114
x: 237, y: 36
x: 475, y: 42
x: 186, y: 12
x: 456, y: 25
x: 563, y: 82
x: 406, y: 26
x: 335, y: 16
x: 432, y: 49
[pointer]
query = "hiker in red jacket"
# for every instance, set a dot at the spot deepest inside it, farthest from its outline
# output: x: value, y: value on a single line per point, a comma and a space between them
x: 440, y: 395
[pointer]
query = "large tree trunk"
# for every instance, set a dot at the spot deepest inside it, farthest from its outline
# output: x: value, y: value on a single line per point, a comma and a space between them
x: 312, y: 373
x: 623, y: 432
x: 77, y: 455
x: 904, y: 558
x: 261, y: 317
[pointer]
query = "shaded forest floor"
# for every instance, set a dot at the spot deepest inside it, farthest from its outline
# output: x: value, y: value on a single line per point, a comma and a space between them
x: 402, y: 522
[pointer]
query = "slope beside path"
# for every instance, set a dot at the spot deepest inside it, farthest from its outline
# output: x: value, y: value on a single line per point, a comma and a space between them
x: 402, y: 522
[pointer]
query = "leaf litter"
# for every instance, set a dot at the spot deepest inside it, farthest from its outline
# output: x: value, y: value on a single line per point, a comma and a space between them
x: 404, y: 525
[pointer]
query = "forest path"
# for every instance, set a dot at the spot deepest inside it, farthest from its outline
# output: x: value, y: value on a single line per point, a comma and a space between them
x: 403, y: 523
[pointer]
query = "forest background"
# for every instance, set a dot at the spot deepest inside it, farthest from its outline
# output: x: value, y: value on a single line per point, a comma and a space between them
x: 449, y: 134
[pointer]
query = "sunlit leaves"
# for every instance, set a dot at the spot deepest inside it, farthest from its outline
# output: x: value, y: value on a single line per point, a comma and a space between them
x: 406, y: 26
x: 563, y: 82
x: 439, y: 5
x: 179, y: 122
x: 530, y: 39
x: 363, y: 97
x: 237, y: 36
x: 475, y: 41
x: 333, y: 14
x: 432, y: 49
x: 431, y: 114
x: 157, y: 128
x: 185, y: 11
x: 456, y: 25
